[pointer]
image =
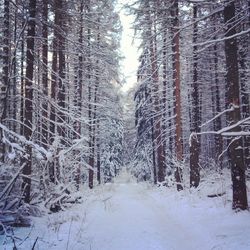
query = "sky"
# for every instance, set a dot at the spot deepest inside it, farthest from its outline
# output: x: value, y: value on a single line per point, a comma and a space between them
x: 129, y: 50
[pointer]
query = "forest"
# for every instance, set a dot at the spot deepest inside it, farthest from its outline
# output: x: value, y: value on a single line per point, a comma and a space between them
x: 192, y: 99
x: 67, y: 129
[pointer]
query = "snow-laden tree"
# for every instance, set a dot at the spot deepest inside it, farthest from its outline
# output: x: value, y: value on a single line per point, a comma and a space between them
x: 185, y: 62
x: 65, y: 65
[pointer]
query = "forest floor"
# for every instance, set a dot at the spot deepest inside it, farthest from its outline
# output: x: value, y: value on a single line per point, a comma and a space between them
x: 126, y: 215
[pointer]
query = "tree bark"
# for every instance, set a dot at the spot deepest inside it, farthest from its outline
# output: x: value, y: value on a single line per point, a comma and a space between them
x: 5, y: 80
x: 177, y: 94
x: 22, y: 78
x: 61, y: 69
x: 45, y: 73
x: 157, y: 120
x: 195, y: 121
x: 233, y: 99
x: 55, y: 78
x: 217, y: 123
x: 78, y: 88
x: 90, y: 110
x: 244, y: 81
x: 28, y: 103
x: 98, y: 153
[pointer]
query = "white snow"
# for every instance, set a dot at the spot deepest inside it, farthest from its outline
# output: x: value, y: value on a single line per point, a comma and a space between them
x: 127, y: 215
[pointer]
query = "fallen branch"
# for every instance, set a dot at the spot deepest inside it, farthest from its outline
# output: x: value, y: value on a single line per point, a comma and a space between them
x: 8, y: 188
x: 216, y: 195
x: 33, y: 247
x: 15, y: 220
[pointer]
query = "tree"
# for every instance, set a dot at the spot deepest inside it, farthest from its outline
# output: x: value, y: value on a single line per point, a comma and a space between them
x: 59, y: 54
x: 45, y: 73
x: 157, y: 117
x: 28, y: 105
x: 5, y: 78
x: 60, y: 24
x: 233, y: 100
x: 195, y: 119
x: 177, y: 94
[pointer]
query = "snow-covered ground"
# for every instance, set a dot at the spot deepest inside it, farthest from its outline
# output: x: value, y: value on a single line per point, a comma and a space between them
x: 127, y: 215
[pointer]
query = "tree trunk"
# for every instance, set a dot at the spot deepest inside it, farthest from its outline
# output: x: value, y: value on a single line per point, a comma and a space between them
x: 53, y: 168
x: 244, y: 82
x: 195, y: 117
x: 217, y: 123
x: 28, y: 105
x: 232, y: 77
x: 91, y: 145
x: 98, y: 152
x: 14, y: 84
x: 54, y: 78
x: 96, y: 100
x: 177, y: 94
x: 90, y: 114
x: 5, y: 81
x: 165, y: 107
x: 157, y: 120
x: 45, y: 73
x: 61, y: 69
x: 78, y: 88
x: 22, y: 79
x: 153, y: 153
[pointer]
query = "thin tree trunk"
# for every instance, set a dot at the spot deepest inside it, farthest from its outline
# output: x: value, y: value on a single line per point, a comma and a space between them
x: 217, y: 123
x: 164, y: 99
x: 153, y: 153
x: 157, y: 120
x: 177, y: 94
x: 13, y: 92
x: 91, y: 145
x: 61, y: 70
x: 22, y: 81
x: 53, y: 90
x: 90, y: 114
x: 45, y: 73
x: 28, y: 105
x: 98, y: 152
x: 5, y: 81
x: 195, y: 121
x: 79, y: 81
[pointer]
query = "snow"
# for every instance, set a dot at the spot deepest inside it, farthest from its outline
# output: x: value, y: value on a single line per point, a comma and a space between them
x: 133, y: 216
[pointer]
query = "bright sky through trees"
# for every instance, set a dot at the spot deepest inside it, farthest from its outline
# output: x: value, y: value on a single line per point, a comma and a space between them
x: 129, y: 49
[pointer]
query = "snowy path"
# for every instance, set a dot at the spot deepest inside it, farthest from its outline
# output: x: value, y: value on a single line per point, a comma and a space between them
x: 126, y: 215
x: 134, y: 216
x: 132, y: 219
